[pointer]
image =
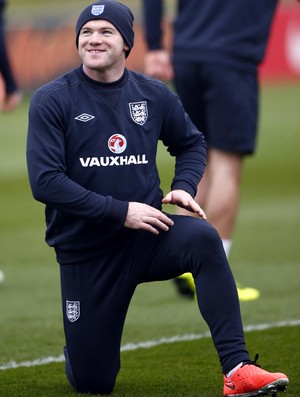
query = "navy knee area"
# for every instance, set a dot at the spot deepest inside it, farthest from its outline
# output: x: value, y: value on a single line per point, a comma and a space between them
x: 201, y: 246
x: 202, y: 236
x: 211, y: 238
x: 90, y: 382
x: 87, y: 379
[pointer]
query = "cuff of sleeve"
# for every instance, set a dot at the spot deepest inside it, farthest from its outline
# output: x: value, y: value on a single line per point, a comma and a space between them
x: 119, y: 210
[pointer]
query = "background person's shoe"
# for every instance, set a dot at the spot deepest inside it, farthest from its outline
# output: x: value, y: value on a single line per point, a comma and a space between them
x: 247, y: 293
x: 185, y: 286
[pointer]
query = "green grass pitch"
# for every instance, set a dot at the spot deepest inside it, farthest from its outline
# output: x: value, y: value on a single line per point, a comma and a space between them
x: 265, y: 254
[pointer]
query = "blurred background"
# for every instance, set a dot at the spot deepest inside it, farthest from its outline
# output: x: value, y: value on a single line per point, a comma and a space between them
x: 41, y: 33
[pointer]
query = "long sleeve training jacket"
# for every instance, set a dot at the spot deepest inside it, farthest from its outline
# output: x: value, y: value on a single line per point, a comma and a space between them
x: 91, y: 149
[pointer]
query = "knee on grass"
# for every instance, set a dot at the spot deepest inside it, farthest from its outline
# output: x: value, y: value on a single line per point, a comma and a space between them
x: 89, y: 380
x: 91, y: 383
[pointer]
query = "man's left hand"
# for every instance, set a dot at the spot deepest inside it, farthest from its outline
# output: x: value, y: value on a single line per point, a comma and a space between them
x: 184, y: 200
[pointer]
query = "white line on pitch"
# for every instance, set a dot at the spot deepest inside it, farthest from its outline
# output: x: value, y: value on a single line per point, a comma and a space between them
x: 151, y: 343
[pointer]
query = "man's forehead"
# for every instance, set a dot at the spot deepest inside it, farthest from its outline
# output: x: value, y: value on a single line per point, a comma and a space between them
x: 98, y: 23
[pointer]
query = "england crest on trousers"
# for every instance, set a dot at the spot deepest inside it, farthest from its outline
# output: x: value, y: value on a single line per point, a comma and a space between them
x: 139, y: 112
x: 73, y: 310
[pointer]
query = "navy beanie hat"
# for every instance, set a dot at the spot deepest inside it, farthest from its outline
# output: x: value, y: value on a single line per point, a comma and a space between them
x: 116, y: 13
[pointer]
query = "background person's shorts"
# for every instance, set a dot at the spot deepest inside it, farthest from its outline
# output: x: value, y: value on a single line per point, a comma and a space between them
x: 222, y: 103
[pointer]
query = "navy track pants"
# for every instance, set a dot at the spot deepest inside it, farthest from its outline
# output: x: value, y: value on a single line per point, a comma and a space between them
x: 96, y: 295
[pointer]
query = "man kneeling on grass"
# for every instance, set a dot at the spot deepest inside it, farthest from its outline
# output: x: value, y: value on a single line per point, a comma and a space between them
x: 91, y: 153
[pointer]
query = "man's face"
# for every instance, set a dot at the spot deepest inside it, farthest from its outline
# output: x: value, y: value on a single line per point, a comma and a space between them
x: 101, y: 46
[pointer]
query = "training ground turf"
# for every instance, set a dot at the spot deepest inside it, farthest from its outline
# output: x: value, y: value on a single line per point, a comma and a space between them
x: 265, y: 254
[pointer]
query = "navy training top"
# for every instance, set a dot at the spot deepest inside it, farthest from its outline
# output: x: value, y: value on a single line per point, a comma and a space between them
x: 91, y: 148
x: 233, y: 33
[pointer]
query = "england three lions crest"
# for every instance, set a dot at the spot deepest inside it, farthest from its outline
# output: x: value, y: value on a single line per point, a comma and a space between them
x: 139, y: 112
x: 73, y: 310
x: 97, y: 9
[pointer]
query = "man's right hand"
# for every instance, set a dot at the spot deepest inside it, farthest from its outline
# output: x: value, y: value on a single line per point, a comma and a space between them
x: 143, y: 216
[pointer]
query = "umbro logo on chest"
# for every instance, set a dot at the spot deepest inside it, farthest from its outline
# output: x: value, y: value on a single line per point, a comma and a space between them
x: 84, y: 117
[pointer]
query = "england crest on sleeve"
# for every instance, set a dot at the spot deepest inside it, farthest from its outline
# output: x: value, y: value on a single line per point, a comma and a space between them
x: 139, y: 112
x: 73, y: 310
